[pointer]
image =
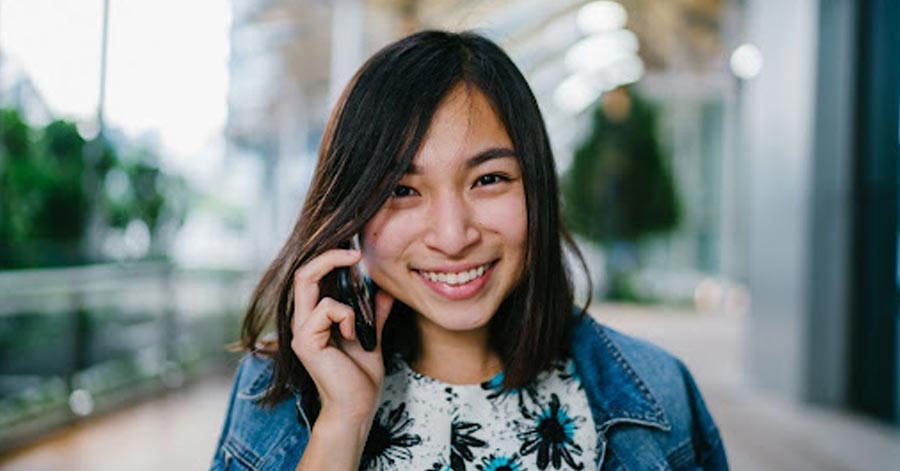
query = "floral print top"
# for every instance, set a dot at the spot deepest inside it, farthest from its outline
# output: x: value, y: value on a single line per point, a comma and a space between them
x: 423, y: 424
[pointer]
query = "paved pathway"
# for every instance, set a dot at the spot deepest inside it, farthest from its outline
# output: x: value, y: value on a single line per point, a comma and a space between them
x: 175, y: 432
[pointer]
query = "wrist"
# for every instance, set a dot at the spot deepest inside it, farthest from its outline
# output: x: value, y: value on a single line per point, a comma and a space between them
x: 343, y: 428
x: 334, y: 443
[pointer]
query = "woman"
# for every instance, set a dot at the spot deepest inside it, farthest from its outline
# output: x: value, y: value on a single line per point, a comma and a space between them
x: 436, y: 156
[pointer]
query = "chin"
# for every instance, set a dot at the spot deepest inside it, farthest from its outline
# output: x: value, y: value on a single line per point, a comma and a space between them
x: 459, y: 320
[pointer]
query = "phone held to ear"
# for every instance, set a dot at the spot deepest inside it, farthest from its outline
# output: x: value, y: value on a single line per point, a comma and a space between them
x: 356, y: 290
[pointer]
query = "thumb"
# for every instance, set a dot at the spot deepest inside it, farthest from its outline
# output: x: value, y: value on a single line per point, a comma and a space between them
x: 383, y: 304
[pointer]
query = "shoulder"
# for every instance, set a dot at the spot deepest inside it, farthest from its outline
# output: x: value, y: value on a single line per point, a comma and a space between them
x: 641, y: 359
x: 255, y: 436
x: 254, y: 372
x: 640, y: 389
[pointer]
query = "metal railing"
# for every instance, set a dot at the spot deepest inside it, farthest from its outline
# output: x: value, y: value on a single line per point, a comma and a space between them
x: 79, y: 341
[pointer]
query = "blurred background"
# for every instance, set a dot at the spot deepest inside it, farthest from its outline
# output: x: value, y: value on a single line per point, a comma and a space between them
x: 730, y: 168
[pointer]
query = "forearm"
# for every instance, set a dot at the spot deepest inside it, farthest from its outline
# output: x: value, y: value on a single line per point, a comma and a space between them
x: 334, y: 445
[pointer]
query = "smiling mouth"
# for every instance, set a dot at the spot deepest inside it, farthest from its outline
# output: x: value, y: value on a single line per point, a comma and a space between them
x: 456, y: 278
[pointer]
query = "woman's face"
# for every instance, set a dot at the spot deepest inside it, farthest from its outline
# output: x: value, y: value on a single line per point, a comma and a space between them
x: 450, y: 242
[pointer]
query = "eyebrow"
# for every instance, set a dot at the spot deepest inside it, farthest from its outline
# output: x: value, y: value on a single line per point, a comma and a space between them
x: 476, y: 160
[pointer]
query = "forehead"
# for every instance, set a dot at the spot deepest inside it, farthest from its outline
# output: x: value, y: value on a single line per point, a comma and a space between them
x: 464, y: 125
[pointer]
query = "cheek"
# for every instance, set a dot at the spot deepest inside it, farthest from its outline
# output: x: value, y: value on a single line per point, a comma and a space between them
x: 509, y: 218
x: 385, y: 239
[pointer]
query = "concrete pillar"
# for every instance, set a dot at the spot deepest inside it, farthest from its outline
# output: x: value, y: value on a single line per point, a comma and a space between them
x: 777, y: 135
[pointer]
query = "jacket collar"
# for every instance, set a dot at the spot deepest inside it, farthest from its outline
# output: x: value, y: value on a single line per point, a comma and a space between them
x: 615, y: 392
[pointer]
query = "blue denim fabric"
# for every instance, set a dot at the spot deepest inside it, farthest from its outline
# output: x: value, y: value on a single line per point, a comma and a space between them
x: 648, y: 412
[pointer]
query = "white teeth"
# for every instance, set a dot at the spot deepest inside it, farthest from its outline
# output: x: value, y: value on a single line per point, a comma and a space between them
x: 456, y: 278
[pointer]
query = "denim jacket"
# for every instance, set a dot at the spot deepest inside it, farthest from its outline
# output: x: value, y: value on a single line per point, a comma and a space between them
x: 648, y: 412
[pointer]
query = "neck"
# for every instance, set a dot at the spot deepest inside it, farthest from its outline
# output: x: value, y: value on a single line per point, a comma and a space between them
x: 456, y: 357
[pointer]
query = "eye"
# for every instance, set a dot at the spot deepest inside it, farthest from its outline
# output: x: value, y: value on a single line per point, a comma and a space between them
x: 490, y: 179
x: 402, y: 191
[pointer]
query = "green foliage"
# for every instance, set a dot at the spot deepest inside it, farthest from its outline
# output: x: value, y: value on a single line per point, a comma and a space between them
x: 144, y: 196
x: 52, y: 182
x: 65, y: 200
x: 20, y: 181
x: 619, y: 187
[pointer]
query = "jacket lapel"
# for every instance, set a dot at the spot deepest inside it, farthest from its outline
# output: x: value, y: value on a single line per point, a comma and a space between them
x: 616, y: 394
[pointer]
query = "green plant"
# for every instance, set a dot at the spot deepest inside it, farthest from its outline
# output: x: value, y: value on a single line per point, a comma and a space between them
x: 619, y: 190
x: 52, y: 182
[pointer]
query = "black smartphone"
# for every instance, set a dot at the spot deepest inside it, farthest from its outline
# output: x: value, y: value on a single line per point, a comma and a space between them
x: 357, y: 290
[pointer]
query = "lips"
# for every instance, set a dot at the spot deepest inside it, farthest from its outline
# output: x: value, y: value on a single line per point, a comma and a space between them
x: 456, y: 278
x: 461, y: 284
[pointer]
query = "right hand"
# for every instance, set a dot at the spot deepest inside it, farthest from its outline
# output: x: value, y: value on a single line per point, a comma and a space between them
x: 347, y: 377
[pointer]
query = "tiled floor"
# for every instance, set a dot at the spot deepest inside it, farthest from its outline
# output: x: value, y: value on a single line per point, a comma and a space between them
x: 178, y: 431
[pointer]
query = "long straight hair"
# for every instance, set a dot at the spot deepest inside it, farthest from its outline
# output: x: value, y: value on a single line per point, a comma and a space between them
x: 371, y: 138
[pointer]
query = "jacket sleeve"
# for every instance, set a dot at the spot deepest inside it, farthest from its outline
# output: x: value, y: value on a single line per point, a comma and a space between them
x: 218, y: 461
x: 710, y: 450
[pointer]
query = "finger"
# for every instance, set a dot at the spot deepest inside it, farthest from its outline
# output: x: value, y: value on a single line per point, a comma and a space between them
x: 316, y: 329
x: 372, y: 362
x: 383, y: 304
x: 307, y: 277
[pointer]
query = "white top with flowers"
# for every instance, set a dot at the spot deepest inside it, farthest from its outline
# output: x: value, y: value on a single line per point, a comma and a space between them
x: 426, y: 425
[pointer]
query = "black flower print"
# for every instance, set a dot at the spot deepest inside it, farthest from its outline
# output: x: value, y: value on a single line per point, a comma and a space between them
x: 495, y: 385
x: 450, y: 395
x: 551, y: 435
x: 439, y: 466
x: 462, y: 437
x: 568, y: 374
x: 500, y: 463
x: 387, y: 441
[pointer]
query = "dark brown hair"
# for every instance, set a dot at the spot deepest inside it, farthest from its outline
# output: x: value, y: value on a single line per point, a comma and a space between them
x: 372, y: 136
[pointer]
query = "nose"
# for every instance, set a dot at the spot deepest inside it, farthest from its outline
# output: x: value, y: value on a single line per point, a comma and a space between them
x: 451, y: 228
